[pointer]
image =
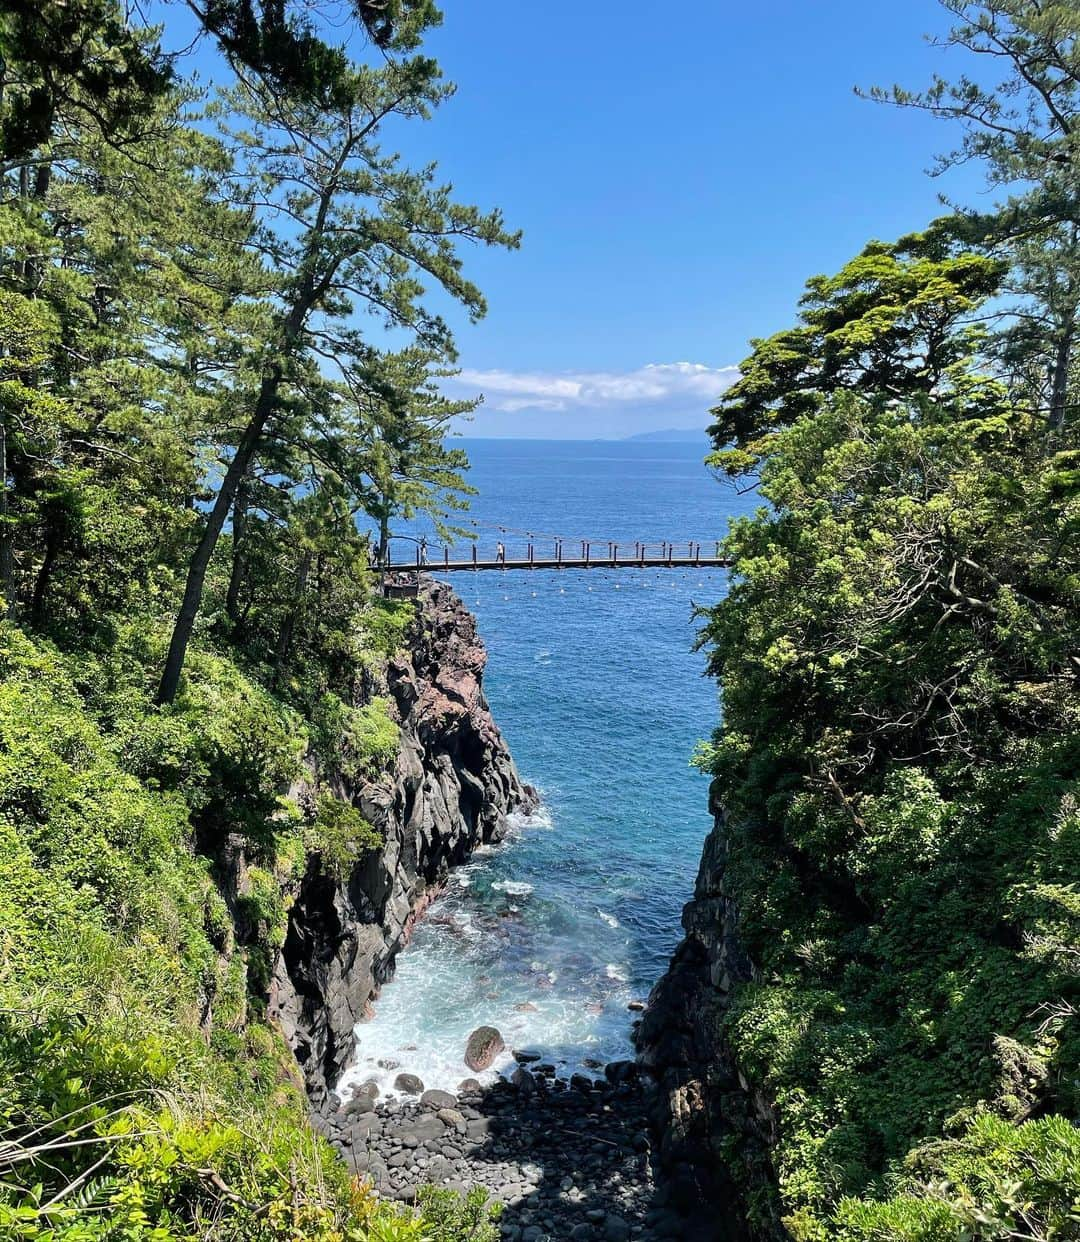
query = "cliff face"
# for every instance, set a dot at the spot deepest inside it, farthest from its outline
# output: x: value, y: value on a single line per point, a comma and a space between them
x: 716, y: 1132
x: 451, y: 788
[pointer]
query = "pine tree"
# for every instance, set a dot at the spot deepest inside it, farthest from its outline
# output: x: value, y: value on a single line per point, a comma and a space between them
x: 343, y: 227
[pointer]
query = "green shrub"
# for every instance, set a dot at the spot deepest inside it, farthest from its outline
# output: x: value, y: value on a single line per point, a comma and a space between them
x: 342, y: 836
x: 1000, y: 1181
x: 900, y: 765
x: 141, y: 1099
x: 356, y: 742
x: 384, y: 625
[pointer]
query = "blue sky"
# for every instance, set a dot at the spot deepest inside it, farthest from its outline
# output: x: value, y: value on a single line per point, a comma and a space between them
x: 677, y: 178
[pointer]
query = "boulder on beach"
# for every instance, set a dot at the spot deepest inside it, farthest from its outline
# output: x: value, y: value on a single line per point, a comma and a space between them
x: 621, y: 1071
x: 523, y: 1080
x: 526, y: 1007
x: 485, y: 1044
x: 438, y: 1099
x: 408, y: 1084
x: 523, y: 1056
x: 469, y: 1086
x: 369, y: 1088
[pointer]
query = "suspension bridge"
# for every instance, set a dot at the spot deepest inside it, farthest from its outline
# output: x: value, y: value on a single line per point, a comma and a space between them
x: 557, y: 554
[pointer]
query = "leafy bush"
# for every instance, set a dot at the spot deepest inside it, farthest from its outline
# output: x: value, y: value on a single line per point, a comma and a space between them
x: 385, y: 626
x: 99, y: 1147
x: 900, y: 764
x: 999, y: 1181
x: 355, y: 741
x: 342, y: 835
x: 141, y: 1100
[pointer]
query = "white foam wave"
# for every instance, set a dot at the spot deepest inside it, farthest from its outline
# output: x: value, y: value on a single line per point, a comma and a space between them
x: 617, y: 973
x: 513, y: 888
x: 609, y: 919
x: 519, y: 821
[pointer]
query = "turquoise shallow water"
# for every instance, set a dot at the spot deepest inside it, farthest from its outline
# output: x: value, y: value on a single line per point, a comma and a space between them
x: 593, y: 679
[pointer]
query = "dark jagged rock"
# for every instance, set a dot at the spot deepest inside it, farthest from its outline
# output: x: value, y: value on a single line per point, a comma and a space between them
x: 702, y: 1099
x: 523, y: 1080
x: 621, y: 1071
x: 450, y: 789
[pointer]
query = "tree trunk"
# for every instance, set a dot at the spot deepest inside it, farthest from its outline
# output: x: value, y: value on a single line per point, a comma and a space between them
x: 288, y: 624
x: 1059, y: 387
x: 54, y: 539
x: 7, y: 551
x: 384, y: 538
x: 307, y: 297
x: 236, y: 574
x: 200, y: 560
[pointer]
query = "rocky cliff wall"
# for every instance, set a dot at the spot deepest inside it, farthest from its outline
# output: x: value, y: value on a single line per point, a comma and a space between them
x: 715, y: 1131
x: 451, y: 788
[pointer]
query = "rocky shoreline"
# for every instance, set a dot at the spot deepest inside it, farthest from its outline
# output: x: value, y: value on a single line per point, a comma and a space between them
x: 450, y: 789
x: 566, y: 1160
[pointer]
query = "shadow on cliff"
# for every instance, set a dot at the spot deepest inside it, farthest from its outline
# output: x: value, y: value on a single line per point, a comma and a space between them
x: 589, y: 1155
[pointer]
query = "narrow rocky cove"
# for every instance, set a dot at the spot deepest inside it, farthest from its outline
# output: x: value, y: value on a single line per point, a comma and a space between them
x: 566, y: 1157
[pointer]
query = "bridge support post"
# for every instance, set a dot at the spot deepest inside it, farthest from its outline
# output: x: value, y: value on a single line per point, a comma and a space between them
x: 474, y: 556
x: 587, y: 550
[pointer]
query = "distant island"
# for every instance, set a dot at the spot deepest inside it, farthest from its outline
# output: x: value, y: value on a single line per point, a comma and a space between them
x: 677, y: 435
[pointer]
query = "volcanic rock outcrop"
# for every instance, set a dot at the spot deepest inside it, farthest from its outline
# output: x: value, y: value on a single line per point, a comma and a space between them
x: 450, y: 789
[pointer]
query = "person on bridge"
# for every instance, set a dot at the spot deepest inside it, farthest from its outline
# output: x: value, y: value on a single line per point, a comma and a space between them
x: 500, y: 552
x: 423, y: 549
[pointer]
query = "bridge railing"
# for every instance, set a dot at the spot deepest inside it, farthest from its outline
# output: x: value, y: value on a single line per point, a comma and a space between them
x: 520, y: 552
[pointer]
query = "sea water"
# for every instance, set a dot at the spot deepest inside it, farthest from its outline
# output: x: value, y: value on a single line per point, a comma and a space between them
x: 593, y: 678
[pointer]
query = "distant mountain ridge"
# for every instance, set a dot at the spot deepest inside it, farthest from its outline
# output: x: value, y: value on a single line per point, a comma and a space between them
x: 677, y: 435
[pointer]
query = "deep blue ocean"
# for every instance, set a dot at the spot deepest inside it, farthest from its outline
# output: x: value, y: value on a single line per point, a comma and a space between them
x: 594, y: 681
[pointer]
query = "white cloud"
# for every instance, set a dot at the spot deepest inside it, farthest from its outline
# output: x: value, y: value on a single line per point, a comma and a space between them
x: 671, y: 385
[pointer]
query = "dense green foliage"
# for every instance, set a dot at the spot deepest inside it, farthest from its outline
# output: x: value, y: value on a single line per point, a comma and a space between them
x: 141, y: 1095
x: 899, y: 657
x: 193, y: 430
